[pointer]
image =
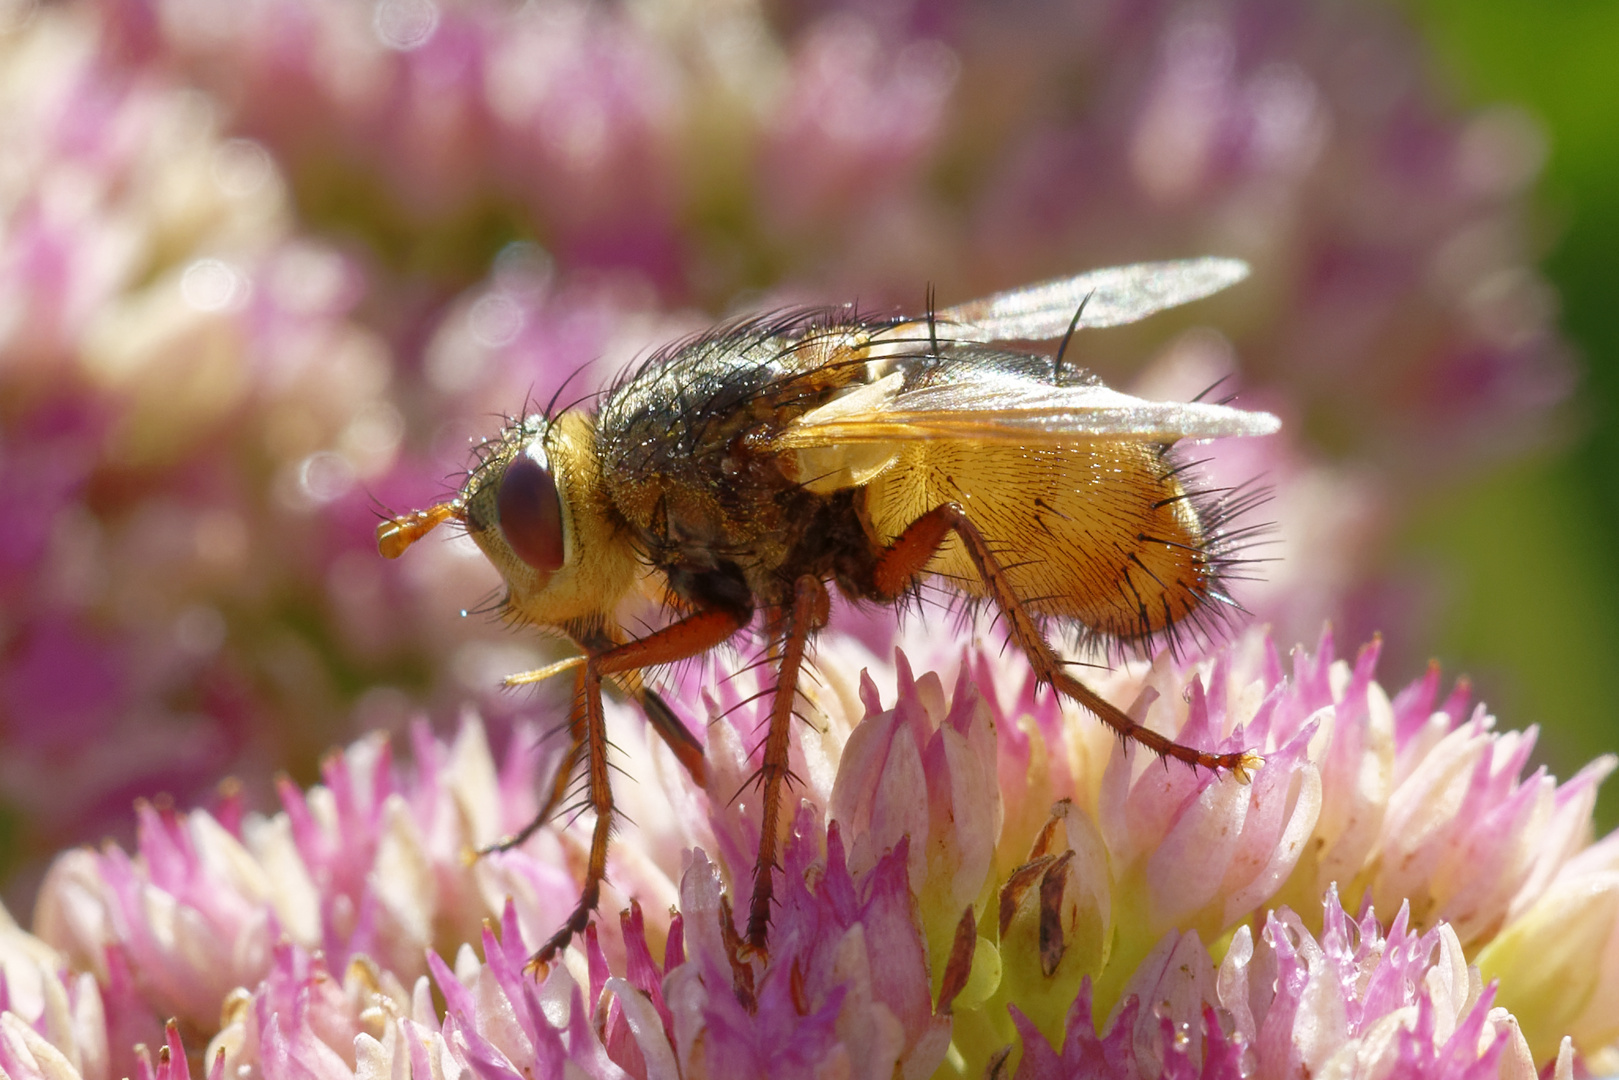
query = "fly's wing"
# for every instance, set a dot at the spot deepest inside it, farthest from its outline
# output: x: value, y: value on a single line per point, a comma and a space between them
x: 1111, y: 297
x: 976, y: 394
x: 978, y: 403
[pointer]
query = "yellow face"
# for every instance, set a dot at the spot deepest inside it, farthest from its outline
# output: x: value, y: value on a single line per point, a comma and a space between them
x: 534, y: 507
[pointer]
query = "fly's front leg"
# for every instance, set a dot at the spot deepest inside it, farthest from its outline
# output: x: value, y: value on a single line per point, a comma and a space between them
x: 909, y: 554
x: 577, y: 732
x: 599, y: 793
x: 674, y: 733
x: 809, y: 613
x: 687, y: 750
x: 695, y: 634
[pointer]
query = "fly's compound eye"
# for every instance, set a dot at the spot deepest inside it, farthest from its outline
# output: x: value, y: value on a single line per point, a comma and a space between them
x: 530, y: 510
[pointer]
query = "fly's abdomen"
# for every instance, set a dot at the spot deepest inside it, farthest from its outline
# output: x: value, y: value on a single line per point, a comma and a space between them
x: 1101, y: 533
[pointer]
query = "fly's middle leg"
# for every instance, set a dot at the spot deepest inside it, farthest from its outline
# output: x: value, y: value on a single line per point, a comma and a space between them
x: 808, y: 613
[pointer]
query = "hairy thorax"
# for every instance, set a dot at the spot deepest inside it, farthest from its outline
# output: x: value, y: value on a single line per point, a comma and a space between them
x: 697, y: 483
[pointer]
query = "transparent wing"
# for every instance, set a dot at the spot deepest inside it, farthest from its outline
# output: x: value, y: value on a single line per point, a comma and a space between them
x: 1112, y: 297
x: 998, y: 406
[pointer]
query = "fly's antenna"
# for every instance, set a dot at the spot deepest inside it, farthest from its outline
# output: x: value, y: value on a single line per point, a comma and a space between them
x: 398, y: 533
x: 1073, y: 325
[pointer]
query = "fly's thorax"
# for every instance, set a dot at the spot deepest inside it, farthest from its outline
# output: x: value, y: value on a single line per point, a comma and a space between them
x: 686, y: 444
x: 1101, y: 532
x: 537, y: 510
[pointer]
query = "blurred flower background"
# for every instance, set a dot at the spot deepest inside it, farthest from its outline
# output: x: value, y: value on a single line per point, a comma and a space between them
x: 267, y: 268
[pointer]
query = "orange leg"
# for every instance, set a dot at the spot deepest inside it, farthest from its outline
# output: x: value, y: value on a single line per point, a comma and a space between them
x: 559, y: 782
x: 675, y: 735
x: 687, y: 750
x: 808, y: 614
x: 909, y: 554
x: 697, y: 633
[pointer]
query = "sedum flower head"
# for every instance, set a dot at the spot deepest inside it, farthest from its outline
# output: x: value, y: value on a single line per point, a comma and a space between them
x: 976, y: 880
x: 1353, y: 1001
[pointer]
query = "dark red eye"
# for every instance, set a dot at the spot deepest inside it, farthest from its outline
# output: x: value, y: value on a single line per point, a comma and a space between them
x: 531, y: 511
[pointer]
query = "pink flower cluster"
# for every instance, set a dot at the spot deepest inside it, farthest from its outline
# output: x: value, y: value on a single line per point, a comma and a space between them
x: 967, y: 885
x: 182, y: 381
x: 1355, y: 1002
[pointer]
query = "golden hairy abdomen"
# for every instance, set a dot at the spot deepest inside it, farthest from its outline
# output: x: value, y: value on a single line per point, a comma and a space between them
x: 1098, y: 532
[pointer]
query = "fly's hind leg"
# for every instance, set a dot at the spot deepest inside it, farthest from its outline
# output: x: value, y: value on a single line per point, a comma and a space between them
x: 909, y: 554
x: 696, y: 633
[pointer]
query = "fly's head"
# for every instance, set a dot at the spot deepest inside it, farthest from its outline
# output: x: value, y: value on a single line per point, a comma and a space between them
x: 534, y: 506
